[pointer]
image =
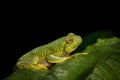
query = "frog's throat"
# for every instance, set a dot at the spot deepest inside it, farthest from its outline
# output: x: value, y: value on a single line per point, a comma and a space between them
x: 65, y: 53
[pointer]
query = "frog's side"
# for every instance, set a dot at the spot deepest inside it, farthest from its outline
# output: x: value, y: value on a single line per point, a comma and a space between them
x: 54, y: 52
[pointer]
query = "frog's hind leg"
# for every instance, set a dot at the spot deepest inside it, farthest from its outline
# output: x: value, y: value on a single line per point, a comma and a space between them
x: 32, y: 66
x: 31, y: 63
x: 40, y: 67
x: 43, y: 64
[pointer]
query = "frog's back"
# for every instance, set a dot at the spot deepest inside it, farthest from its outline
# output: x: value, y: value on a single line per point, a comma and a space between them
x: 36, y: 52
x: 44, y: 50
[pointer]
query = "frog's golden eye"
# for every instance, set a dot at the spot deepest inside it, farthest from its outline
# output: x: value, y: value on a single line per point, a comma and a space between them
x: 69, y: 39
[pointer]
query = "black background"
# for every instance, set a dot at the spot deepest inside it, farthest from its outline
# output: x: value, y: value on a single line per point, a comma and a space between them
x: 24, y: 29
x: 25, y: 26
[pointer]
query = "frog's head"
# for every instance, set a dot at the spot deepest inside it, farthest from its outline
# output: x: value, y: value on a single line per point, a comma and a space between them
x: 72, y: 42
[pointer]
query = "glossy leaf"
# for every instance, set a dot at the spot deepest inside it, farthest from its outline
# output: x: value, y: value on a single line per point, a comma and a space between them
x: 102, y: 62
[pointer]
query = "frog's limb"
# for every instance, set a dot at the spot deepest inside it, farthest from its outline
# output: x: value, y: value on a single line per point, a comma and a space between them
x: 38, y: 67
x: 78, y: 54
x: 57, y: 59
x: 31, y: 63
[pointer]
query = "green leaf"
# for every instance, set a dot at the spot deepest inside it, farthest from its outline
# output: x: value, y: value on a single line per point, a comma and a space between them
x: 107, y: 70
x: 26, y: 74
x: 101, y: 63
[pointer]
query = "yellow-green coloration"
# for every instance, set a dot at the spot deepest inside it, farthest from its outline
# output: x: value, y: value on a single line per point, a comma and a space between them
x: 55, y: 52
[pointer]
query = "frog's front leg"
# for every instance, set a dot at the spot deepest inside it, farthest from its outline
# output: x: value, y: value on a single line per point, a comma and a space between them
x: 79, y: 54
x: 56, y: 58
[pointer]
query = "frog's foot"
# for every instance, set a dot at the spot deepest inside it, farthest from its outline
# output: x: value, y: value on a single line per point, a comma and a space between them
x: 84, y: 53
x: 78, y: 54
x: 40, y: 67
x: 75, y: 55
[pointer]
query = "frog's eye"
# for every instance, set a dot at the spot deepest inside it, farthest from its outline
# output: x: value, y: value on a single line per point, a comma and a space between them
x: 69, y: 39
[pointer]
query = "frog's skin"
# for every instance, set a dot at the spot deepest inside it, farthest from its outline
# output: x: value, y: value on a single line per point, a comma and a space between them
x: 54, y: 52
